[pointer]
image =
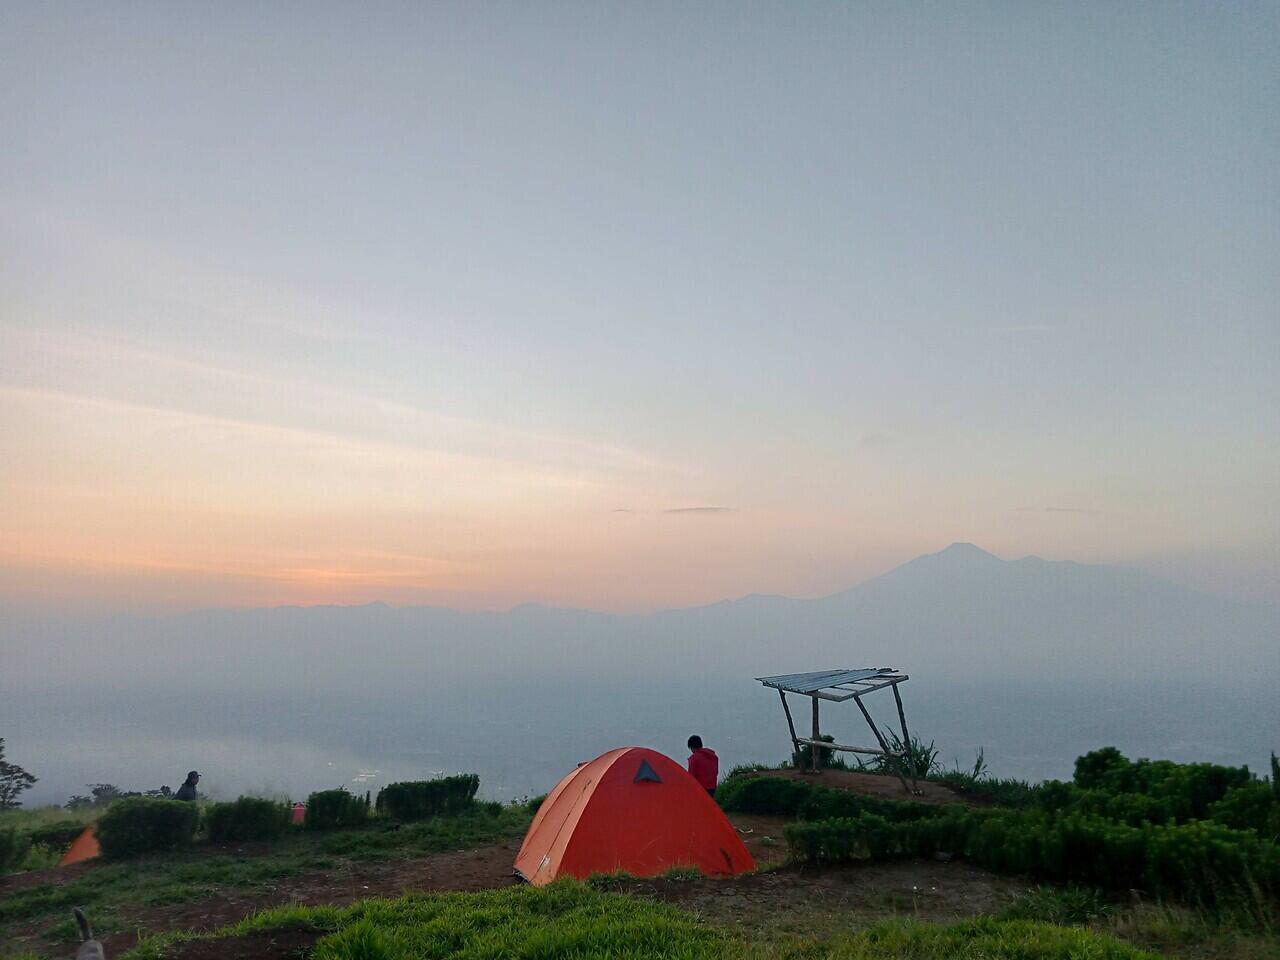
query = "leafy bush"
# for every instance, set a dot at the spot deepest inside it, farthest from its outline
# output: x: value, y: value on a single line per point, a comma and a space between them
x: 774, y: 796
x: 57, y: 835
x: 13, y: 848
x: 248, y: 818
x: 420, y: 799
x: 783, y: 797
x: 1187, y: 789
x: 1254, y: 806
x: 327, y: 809
x: 1095, y: 765
x: 534, y: 803
x: 140, y: 825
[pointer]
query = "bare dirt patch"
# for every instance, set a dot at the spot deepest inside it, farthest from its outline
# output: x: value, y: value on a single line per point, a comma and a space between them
x: 874, y: 785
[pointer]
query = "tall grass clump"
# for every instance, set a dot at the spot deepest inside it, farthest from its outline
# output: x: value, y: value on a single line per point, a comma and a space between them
x: 142, y: 825
x: 420, y: 799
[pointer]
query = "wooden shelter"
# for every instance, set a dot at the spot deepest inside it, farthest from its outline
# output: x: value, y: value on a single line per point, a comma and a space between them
x: 838, y: 686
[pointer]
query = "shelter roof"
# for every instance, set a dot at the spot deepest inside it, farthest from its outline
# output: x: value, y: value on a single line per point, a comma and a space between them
x: 835, y: 684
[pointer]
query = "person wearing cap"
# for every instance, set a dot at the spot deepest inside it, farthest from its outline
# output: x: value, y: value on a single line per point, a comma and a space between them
x: 188, y: 789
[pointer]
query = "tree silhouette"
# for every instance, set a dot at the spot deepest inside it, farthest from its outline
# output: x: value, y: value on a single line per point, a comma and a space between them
x: 13, y: 780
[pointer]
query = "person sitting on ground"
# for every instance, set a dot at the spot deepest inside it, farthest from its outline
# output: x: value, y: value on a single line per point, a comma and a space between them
x: 704, y: 765
x: 188, y: 789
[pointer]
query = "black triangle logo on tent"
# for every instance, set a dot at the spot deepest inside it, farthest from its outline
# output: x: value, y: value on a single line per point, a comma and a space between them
x: 646, y: 772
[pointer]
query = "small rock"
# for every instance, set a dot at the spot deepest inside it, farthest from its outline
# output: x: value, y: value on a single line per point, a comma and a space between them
x: 943, y: 857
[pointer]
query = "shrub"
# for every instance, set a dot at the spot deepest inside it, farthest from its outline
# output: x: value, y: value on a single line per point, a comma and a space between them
x: 140, y: 825
x: 1096, y: 764
x: 13, y: 848
x: 1199, y: 862
x: 1187, y: 789
x: 328, y: 809
x: 783, y: 797
x: 420, y: 799
x: 248, y: 818
x: 1254, y: 806
x: 534, y: 803
x: 775, y: 796
x: 57, y: 835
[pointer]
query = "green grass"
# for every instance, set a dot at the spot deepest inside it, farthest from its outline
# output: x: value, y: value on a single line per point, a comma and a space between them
x: 386, y: 840
x: 570, y: 921
x: 108, y: 890
x: 1061, y: 905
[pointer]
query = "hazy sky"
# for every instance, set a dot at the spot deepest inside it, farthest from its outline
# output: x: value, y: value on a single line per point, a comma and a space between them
x: 474, y: 304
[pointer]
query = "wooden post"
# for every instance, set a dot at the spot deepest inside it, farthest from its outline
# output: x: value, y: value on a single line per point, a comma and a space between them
x: 812, y: 748
x: 906, y: 740
x: 883, y: 743
x: 795, y: 741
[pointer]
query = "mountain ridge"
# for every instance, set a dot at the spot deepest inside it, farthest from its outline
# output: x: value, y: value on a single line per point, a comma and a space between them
x: 962, y: 611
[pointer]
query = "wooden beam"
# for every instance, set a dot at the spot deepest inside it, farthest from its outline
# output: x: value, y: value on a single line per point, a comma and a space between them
x: 847, y: 749
x: 816, y: 736
x: 906, y: 741
x: 795, y: 742
x: 878, y: 686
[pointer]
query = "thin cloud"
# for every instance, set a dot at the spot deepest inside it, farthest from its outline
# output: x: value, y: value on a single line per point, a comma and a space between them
x: 702, y: 510
x: 1057, y: 510
x: 1029, y: 328
x: 874, y: 440
x: 621, y: 510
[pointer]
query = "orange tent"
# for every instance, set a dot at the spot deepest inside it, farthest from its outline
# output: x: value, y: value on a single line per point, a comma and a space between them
x: 630, y: 809
x: 83, y: 847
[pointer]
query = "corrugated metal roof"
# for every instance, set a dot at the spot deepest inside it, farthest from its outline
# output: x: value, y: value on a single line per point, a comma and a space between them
x: 809, y: 683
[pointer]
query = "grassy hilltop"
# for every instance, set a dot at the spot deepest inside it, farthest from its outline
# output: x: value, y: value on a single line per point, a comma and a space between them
x: 1129, y: 859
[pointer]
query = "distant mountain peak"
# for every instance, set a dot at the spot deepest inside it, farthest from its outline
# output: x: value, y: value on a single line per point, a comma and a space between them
x: 965, y: 551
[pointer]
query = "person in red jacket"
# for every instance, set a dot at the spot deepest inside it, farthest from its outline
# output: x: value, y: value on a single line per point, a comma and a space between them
x: 704, y: 765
